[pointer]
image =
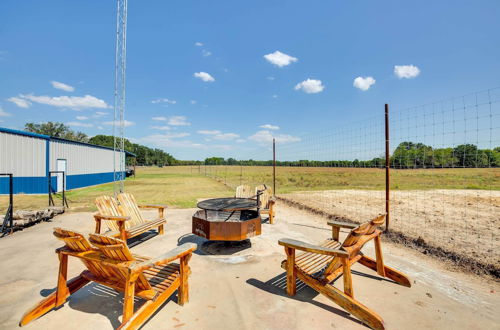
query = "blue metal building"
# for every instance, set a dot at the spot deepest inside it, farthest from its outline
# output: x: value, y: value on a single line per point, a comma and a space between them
x: 31, y: 156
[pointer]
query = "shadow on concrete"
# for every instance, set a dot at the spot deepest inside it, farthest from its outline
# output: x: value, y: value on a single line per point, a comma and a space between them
x: 134, y: 241
x: 277, y: 286
x: 99, y: 299
x: 221, y: 248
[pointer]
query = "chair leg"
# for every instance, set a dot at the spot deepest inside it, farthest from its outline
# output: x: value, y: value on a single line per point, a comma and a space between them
x: 291, y: 272
x: 160, y: 230
x: 183, y: 293
x: 380, y: 258
x: 128, y: 299
x: 348, y: 289
x: 62, y: 291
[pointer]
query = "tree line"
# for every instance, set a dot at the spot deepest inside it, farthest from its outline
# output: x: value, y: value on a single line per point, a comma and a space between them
x: 145, y: 155
x: 407, y: 155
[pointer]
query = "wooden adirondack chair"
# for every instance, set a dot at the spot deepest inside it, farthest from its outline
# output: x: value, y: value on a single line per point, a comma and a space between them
x: 318, y: 265
x: 124, y: 218
x: 266, y: 201
x: 244, y: 191
x: 110, y: 263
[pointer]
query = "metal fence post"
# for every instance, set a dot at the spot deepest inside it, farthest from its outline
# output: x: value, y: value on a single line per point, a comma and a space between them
x: 387, y: 168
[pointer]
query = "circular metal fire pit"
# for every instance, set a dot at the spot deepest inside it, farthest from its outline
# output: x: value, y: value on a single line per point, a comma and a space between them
x: 227, y: 219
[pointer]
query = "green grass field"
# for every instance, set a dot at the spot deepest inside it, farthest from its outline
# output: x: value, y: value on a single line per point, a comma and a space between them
x: 181, y: 186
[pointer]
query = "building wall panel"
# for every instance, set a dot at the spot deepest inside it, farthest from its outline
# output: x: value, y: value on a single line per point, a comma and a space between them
x: 24, y: 156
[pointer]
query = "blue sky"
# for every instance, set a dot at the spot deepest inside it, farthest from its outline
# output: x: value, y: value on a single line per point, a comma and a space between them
x: 57, y: 64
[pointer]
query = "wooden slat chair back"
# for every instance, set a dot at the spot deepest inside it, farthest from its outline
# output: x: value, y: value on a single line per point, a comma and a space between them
x: 319, y: 265
x: 107, y: 205
x: 123, y: 216
x: 244, y: 191
x: 109, y: 262
x: 130, y: 208
x: 266, y: 201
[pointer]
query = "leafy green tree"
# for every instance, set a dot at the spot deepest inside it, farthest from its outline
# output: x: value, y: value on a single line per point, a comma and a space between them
x: 58, y: 130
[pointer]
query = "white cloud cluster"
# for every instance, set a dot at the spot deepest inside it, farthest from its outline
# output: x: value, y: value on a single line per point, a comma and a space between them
x: 310, y: 86
x: 280, y: 59
x: 198, y: 44
x: 364, y: 83
x: 99, y: 114
x: 79, y: 124
x: 62, y: 86
x: 159, y: 118
x: 178, y: 121
x: 82, y: 117
x: 193, y: 102
x: 406, y: 71
x: 22, y: 103
x: 269, y: 126
x: 126, y: 123
x: 206, y: 77
x: 218, y: 135
x: 164, y: 100
x: 162, y: 128
x: 206, y: 53
x: 71, y: 102
x: 266, y: 137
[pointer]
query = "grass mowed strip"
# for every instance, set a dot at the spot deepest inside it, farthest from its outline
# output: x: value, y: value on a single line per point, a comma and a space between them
x: 174, y: 186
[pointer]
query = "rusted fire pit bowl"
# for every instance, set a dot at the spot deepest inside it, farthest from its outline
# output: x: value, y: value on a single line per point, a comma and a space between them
x: 226, y: 226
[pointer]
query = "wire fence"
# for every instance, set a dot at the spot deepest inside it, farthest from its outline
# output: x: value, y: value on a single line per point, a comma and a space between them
x: 444, y: 175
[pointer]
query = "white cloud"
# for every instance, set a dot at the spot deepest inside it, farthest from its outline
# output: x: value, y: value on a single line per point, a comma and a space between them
x: 206, y: 53
x: 406, y: 71
x: 270, y: 78
x: 280, y: 59
x: 99, y: 114
x: 364, y: 83
x: 3, y: 113
x: 62, y: 86
x: 22, y: 103
x: 162, y: 128
x: 193, y: 102
x: 160, y: 118
x: 126, y: 123
x: 178, y: 121
x: 269, y: 126
x: 240, y: 140
x: 79, y: 124
x: 198, y: 44
x: 209, y: 132
x: 82, y: 117
x: 218, y: 135
x: 164, y: 100
x: 206, y: 77
x: 265, y: 137
x: 72, y: 102
x: 310, y: 86
x: 275, y: 96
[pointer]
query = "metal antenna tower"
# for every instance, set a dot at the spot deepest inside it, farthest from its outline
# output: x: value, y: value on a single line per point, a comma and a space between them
x: 119, y: 106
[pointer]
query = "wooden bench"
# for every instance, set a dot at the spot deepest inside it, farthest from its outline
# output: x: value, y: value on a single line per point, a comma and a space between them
x: 109, y: 262
x: 319, y: 265
x: 123, y: 216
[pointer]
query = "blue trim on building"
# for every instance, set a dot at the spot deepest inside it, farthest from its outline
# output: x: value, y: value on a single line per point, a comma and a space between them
x: 14, y: 131
x: 47, y: 158
x: 39, y: 184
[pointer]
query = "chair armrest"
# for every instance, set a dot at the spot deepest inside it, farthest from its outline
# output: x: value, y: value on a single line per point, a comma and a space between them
x: 299, y: 245
x: 153, y: 206
x: 178, y: 252
x: 99, y: 217
x: 341, y: 224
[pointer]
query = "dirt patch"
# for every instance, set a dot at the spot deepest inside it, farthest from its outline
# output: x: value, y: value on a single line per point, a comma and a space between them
x: 458, y: 225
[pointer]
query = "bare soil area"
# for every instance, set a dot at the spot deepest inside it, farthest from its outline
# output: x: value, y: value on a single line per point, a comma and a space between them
x: 242, y: 286
x: 462, y: 223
